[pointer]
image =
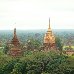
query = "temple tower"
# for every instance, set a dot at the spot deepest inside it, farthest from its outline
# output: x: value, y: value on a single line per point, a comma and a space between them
x: 49, y: 39
x: 15, y: 49
x: 15, y: 40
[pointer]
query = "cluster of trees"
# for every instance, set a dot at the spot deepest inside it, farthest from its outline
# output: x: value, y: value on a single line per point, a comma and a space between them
x: 39, y: 62
x: 33, y: 44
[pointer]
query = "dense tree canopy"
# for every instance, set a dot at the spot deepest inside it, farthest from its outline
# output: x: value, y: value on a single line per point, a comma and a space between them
x: 59, y: 44
x: 39, y: 62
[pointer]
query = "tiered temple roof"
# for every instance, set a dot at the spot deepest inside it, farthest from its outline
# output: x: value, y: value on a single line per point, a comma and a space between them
x: 49, y: 39
x: 15, y: 40
x: 15, y: 50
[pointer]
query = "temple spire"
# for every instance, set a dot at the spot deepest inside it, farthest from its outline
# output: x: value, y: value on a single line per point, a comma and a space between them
x: 14, y: 32
x: 49, y: 39
x: 49, y: 23
x: 15, y: 40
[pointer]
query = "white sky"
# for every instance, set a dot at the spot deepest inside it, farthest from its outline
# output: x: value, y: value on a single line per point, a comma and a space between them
x: 34, y: 14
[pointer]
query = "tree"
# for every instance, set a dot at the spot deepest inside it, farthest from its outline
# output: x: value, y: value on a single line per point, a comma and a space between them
x: 15, y: 72
x: 59, y: 44
x: 33, y: 44
x: 6, y: 49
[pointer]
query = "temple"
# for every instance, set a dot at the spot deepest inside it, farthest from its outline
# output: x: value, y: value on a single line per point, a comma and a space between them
x: 49, y: 39
x: 15, y: 40
x: 15, y: 49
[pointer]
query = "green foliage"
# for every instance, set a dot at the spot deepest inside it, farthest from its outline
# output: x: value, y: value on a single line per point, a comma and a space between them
x: 15, y: 72
x: 6, y: 49
x: 33, y: 44
x: 39, y: 62
x: 59, y: 43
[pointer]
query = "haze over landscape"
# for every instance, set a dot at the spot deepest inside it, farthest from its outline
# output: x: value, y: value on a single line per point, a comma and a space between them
x: 34, y: 14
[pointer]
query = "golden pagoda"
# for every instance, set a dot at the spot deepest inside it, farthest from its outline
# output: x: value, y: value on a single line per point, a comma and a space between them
x: 49, y: 39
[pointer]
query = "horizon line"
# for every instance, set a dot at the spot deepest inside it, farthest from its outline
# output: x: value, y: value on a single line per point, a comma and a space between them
x: 37, y: 29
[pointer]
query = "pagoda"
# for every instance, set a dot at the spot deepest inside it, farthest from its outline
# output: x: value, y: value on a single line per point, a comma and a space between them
x: 15, y: 49
x: 15, y: 40
x: 49, y: 39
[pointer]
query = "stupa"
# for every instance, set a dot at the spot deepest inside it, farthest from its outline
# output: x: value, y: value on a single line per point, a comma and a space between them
x: 15, y: 49
x: 49, y: 39
x: 15, y: 40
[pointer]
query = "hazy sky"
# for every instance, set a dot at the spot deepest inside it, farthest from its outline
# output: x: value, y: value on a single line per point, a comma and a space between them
x: 34, y: 14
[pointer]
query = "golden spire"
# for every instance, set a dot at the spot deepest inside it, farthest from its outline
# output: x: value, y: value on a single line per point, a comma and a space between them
x: 49, y: 23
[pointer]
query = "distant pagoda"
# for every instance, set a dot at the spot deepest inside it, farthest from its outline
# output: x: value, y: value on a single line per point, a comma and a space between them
x: 49, y: 39
x: 15, y: 40
x: 15, y: 49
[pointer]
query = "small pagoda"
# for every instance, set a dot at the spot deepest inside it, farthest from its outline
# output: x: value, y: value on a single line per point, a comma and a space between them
x: 15, y: 49
x: 49, y: 39
x: 15, y: 40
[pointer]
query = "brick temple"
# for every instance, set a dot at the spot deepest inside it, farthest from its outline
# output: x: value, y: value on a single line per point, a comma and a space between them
x: 15, y: 40
x: 15, y: 49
